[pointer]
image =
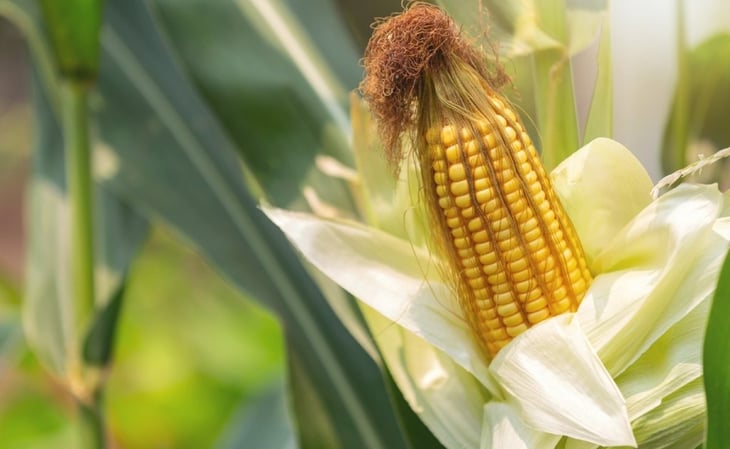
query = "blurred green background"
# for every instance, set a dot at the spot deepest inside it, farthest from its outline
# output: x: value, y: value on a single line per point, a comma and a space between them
x: 190, y: 351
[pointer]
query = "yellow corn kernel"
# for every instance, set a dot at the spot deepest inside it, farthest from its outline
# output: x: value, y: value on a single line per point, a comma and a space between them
x: 518, y: 259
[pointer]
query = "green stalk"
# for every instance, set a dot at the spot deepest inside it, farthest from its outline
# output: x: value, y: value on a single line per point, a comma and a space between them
x: 78, y: 178
x: 674, y: 156
x: 557, y: 118
x: 79, y: 188
x: 93, y: 434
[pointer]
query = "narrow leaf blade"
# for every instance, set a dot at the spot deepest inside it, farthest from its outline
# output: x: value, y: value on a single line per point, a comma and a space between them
x: 716, y: 362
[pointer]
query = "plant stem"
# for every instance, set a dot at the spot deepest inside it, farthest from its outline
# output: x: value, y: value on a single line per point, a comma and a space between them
x: 674, y: 156
x: 79, y: 188
x: 78, y: 178
x: 93, y: 434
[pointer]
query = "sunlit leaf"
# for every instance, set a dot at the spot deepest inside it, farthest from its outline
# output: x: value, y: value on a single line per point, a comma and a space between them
x: 277, y: 80
x: 548, y: 33
x: 599, y: 122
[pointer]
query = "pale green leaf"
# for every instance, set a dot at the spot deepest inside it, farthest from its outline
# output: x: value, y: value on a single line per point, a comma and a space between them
x: 388, y: 274
x: 599, y: 122
x: 578, y: 444
x: 602, y: 187
x: 514, y: 25
x: 525, y: 27
x: 384, y: 200
x: 560, y: 386
x: 444, y: 396
x: 654, y: 272
x: 504, y: 428
x: 678, y: 423
x: 583, y: 27
x: 671, y: 363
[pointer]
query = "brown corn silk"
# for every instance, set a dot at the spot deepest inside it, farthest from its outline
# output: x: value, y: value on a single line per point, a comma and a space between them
x: 511, y: 252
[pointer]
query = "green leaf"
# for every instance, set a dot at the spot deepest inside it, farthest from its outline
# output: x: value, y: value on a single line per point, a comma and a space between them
x: 557, y: 117
x: 164, y: 152
x: 699, y: 108
x: 277, y: 80
x: 716, y: 363
x: 73, y: 28
x: 419, y: 436
x: 261, y: 423
x: 48, y: 311
x: 514, y: 25
x: 599, y: 122
x: 99, y: 342
x: 548, y: 33
x: 528, y: 26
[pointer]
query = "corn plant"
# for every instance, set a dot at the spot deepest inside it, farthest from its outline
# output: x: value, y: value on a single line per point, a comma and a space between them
x: 235, y: 124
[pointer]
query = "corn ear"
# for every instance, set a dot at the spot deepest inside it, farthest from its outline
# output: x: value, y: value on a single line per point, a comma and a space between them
x: 509, y: 243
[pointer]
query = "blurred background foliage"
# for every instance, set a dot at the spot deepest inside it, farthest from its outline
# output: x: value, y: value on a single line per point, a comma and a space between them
x: 202, y: 107
x: 190, y: 352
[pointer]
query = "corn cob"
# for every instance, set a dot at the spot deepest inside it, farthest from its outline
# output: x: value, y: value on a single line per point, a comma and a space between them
x: 510, y: 250
x: 509, y: 240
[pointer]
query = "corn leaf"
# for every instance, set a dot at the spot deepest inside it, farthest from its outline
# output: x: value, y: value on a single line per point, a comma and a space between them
x: 548, y: 33
x: 697, y: 124
x: 168, y: 155
x: 277, y: 78
x: 557, y: 117
x: 514, y: 25
x: 47, y: 308
x: 261, y: 423
x: 599, y: 122
x: 716, y: 360
x: 677, y: 133
x: 525, y: 27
